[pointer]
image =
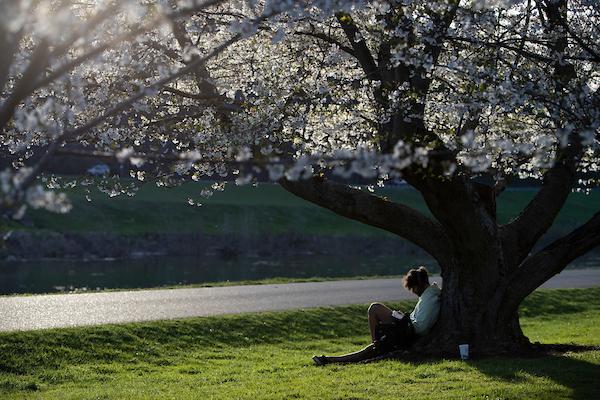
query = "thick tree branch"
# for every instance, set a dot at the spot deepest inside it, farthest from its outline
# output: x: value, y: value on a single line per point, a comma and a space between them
x: 539, y: 214
x: 37, y: 63
x: 441, y: 23
x: 543, y: 265
x: 201, y: 74
x: 408, y: 122
x: 523, y: 37
x: 375, y: 211
x: 9, y: 44
x: 362, y: 52
x: 593, y: 53
x: 461, y: 207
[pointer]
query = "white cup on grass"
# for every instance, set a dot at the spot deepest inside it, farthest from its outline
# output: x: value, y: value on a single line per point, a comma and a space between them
x: 464, y: 351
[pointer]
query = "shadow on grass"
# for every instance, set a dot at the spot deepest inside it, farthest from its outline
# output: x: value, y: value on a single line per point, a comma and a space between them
x: 578, y: 375
x: 558, y: 363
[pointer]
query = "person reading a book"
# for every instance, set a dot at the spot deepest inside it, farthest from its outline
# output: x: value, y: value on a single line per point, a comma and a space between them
x: 393, y: 330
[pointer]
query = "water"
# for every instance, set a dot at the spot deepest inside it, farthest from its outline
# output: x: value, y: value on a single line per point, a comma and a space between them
x: 59, y: 276
x: 56, y: 276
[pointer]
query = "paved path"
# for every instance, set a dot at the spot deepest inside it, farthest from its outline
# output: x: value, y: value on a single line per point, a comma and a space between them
x: 65, y: 310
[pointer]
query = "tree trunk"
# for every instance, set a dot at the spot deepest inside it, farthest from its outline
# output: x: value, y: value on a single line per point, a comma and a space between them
x: 472, y: 312
x: 470, y: 253
x: 483, y: 281
x: 476, y: 287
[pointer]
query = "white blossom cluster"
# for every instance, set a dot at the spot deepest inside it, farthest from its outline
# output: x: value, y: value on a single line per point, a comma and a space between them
x: 191, y: 89
x: 35, y: 196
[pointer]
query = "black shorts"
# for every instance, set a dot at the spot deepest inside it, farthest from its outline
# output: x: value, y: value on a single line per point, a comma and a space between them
x: 396, y: 335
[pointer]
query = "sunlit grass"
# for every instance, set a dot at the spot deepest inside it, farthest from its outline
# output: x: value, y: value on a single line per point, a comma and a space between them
x: 267, y: 356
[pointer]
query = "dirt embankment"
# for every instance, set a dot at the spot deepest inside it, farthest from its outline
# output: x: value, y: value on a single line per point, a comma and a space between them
x: 23, y: 245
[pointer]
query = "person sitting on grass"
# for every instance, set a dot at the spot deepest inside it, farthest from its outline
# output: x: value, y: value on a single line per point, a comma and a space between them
x: 392, y: 330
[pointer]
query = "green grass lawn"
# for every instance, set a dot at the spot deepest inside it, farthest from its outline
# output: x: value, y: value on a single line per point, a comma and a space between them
x: 267, y: 356
x: 266, y: 208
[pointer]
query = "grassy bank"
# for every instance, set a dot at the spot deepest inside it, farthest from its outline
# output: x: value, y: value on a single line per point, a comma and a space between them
x: 267, y: 356
x: 266, y: 208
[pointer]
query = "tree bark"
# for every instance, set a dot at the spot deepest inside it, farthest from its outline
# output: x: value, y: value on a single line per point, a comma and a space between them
x: 471, y: 310
x: 476, y: 275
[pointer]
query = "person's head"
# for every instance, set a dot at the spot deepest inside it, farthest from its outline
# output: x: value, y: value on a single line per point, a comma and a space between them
x: 416, y: 280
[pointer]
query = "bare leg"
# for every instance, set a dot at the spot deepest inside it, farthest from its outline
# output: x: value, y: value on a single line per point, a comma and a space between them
x: 378, y: 313
x: 361, y: 355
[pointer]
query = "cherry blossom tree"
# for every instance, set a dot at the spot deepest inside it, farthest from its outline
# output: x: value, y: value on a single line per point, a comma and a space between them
x: 457, y: 98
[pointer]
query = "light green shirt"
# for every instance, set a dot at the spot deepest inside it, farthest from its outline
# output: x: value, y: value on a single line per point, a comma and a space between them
x: 427, y: 309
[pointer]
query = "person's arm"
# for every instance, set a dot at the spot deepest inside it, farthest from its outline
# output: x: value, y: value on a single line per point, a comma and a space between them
x: 415, y: 315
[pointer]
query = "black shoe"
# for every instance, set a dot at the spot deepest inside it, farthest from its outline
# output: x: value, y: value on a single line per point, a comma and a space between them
x: 319, y: 360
